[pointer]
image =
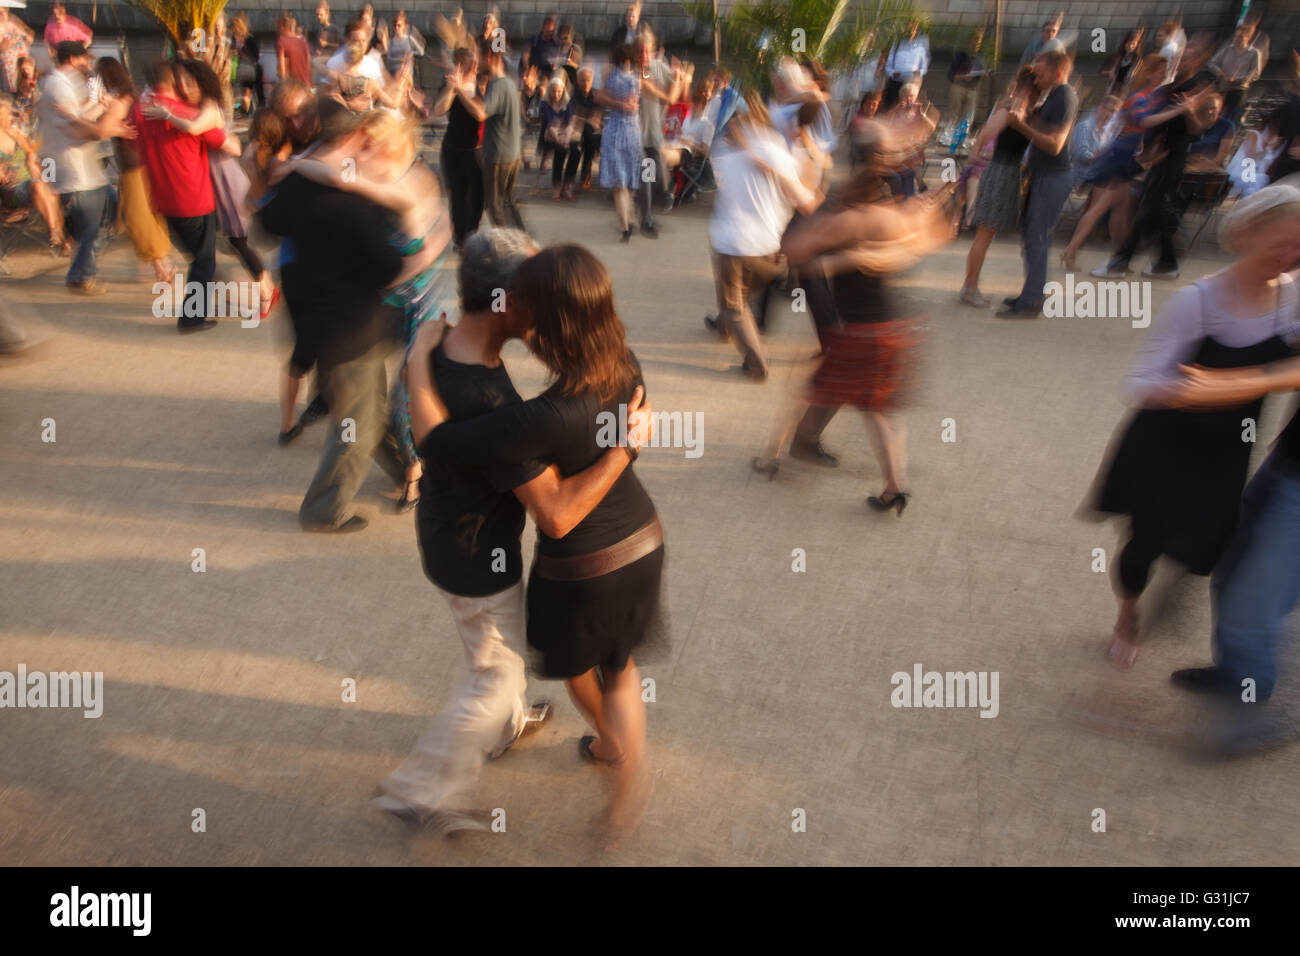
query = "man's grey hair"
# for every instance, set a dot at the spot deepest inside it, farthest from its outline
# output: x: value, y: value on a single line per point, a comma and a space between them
x: 488, y: 262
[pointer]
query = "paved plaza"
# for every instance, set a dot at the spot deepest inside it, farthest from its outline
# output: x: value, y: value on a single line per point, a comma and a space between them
x: 223, y: 689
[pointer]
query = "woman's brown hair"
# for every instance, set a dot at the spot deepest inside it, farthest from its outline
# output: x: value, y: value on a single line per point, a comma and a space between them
x: 576, y: 333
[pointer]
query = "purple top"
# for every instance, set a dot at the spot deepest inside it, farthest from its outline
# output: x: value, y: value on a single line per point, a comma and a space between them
x: 1201, y: 309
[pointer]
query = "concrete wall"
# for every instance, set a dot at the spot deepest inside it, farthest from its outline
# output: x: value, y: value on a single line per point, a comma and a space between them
x: 1020, y: 19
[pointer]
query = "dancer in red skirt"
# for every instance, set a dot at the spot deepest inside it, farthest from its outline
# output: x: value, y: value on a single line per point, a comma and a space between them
x: 857, y: 242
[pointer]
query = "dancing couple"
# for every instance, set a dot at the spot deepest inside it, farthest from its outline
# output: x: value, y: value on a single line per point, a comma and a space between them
x: 592, y: 595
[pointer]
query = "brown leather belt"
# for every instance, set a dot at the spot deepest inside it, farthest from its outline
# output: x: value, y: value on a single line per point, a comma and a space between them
x: 581, y: 567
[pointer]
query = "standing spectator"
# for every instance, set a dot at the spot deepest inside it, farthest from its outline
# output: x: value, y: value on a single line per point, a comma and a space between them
x: 1122, y: 62
x: 326, y: 38
x: 502, y: 141
x: 589, y: 116
x: 405, y: 46
x: 343, y: 259
x: 72, y: 142
x: 1237, y: 65
x: 967, y: 76
x: 461, y: 153
x: 15, y: 43
x: 661, y: 85
x: 1050, y: 175
x: 180, y: 185
x: 292, y: 58
x: 26, y: 94
x: 61, y: 27
x: 625, y: 32
x: 908, y: 62
x: 1043, y: 42
x: 543, y: 52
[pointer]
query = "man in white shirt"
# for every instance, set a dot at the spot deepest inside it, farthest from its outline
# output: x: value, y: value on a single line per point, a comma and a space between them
x: 908, y: 62
x: 371, y: 66
x: 71, y: 143
x: 758, y: 193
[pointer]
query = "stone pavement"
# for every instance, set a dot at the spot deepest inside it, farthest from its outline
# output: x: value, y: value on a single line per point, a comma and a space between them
x: 223, y: 689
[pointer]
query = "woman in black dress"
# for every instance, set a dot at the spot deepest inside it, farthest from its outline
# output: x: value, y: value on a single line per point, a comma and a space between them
x: 1178, y: 468
x: 593, y: 594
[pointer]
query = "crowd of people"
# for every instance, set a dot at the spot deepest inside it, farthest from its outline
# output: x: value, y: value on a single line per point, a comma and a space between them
x: 367, y: 234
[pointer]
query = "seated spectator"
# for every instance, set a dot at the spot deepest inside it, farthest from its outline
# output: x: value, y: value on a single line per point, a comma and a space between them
x: 1092, y: 135
x: 1248, y: 171
x: 21, y: 185
x: 858, y: 126
x: 911, y: 124
x: 1210, y: 151
x: 561, y: 138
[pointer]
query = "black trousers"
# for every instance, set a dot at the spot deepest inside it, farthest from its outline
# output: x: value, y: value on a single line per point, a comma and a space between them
x: 197, y: 235
x: 1159, y: 214
x: 590, y: 148
x: 463, y: 174
x: 564, y: 163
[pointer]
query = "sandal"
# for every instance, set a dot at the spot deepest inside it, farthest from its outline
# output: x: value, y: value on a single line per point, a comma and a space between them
x: 584, y: 748
x: 287, y: 437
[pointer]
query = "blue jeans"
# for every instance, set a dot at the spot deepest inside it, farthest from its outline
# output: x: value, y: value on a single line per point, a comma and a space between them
x: 1047, y: 194
x: 84, y: 212
x: 1256, y: 584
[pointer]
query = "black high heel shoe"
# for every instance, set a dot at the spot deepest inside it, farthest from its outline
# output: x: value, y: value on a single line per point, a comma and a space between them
x: 406, y: 502
x: 897, y: 501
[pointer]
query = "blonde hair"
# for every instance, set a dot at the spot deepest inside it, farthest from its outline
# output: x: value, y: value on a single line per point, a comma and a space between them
x: 389, y: 134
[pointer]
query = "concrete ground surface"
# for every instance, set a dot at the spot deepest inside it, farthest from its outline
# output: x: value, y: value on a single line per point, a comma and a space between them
x: 223, y: 688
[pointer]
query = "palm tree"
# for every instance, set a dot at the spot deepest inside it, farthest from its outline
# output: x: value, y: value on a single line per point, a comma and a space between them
x: 179, y: 19
x: 839, y: 33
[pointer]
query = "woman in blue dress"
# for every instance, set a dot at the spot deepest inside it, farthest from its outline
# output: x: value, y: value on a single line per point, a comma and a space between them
x: 620, y: 151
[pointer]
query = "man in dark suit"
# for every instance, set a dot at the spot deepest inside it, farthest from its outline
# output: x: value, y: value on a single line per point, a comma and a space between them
x: 342, y: 259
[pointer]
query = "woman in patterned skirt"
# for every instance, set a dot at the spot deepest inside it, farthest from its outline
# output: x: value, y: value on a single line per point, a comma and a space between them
x: 620, y: 147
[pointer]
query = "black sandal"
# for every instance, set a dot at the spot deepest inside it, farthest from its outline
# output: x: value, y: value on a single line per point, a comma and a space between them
x: 584, y: 748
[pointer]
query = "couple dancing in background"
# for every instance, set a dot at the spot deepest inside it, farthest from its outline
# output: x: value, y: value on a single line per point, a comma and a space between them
x: 593, y: 593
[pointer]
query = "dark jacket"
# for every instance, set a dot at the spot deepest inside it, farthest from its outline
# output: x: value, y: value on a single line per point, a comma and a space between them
x: 340, y: 258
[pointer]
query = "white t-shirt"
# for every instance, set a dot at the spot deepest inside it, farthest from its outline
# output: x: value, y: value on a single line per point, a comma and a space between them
x: 370, y: 67
x: 77, y: 164
x: 750, y: 212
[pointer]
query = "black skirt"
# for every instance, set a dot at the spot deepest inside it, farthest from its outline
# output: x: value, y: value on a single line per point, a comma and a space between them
x: 1179, y: 474
x: 577, y: 625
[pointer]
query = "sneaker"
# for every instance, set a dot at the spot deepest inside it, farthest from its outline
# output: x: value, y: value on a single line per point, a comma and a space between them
x: 1157, y: 271
x: 91, y: 287
x: 1204, y: 680
x: 814, y: 452
x: 1110, y: 272
x: 452, y: 823
x: 537, y: 714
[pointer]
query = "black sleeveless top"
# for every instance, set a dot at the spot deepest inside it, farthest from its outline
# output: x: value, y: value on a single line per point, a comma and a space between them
x: 462, y: 128
x: 861, y: 299
x: 1010, y: 146
x: 1180, y: 472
